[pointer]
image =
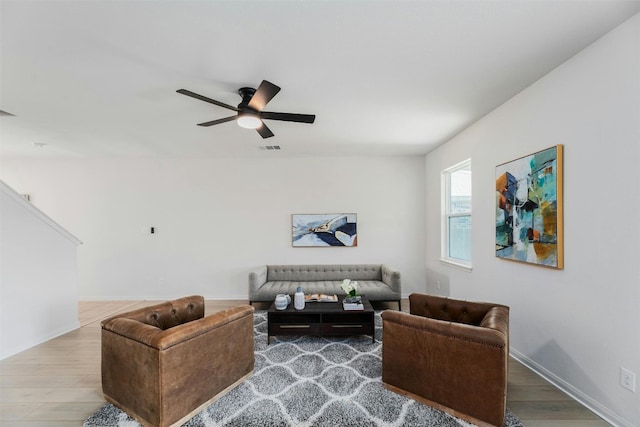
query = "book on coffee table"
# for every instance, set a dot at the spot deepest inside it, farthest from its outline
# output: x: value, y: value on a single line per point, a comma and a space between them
x: 320, y: 298
x: 349, y: 306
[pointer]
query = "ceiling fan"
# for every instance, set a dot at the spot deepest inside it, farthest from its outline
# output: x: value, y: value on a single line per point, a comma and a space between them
x: 250, y: 114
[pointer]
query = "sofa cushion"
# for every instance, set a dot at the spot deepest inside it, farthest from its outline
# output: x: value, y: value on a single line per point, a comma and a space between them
x: 313, y: 273
x: 372, y: 289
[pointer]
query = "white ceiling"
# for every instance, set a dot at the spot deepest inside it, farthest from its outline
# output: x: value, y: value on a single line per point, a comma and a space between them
x: 99, y: 78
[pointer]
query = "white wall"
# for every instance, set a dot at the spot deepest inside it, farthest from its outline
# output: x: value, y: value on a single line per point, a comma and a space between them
x: 217, y: 219
x: 38, y: 280
x: 579, y: 325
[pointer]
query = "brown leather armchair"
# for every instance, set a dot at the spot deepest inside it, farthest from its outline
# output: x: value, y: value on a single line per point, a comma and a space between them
x: 164, y: 363
x: 450, y: 354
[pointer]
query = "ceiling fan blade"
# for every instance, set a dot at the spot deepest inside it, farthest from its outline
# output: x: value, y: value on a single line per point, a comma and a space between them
x: 288, y: 117
x: 265, y: 93
x: 205, y: 99
x: 217, y: 122
x: 264, y: 131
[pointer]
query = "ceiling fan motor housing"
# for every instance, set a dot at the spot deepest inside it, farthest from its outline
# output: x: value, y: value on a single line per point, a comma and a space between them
x: 246, y: 93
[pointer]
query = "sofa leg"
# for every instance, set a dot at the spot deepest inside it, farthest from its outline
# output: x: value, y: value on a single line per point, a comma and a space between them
x: 399, y: 305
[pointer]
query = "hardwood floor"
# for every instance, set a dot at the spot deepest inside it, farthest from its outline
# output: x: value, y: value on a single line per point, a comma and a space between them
x: 57, y: 383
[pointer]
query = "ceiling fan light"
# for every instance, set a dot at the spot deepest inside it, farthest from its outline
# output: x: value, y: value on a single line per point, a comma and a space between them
x: 249, y: 121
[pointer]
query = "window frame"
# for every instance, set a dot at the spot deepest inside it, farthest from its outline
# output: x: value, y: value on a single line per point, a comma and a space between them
x: 447, y: 215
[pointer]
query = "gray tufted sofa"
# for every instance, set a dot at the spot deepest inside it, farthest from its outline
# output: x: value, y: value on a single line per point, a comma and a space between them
x: 377, y: 282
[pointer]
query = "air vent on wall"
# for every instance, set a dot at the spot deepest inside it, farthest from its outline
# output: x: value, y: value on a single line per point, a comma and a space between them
x: 270, y: 147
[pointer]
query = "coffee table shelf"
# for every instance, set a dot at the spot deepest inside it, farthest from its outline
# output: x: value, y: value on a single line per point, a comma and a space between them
x: 321, y: 319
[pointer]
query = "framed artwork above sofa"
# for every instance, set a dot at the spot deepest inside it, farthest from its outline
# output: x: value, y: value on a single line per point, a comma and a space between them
x: 323, y: 230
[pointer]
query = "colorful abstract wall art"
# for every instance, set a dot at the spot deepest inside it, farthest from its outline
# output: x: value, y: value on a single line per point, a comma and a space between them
x: 317, y: 230
x: 529, y: 209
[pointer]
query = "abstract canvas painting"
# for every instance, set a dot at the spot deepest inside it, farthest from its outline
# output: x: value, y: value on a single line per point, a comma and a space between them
x: 529, y: 209
x: 313, y: 230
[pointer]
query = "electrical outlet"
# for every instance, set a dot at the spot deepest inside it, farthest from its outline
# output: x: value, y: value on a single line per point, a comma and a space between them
x: 628, y: 379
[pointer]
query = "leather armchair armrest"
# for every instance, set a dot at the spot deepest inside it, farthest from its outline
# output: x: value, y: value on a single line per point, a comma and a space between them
x: 497, y: 319
x: 455, y: 331
x: 391, y: 277
x: 257, y: 278
x: 133, y: 329
x: 178, y: 334
x: 162, y: 339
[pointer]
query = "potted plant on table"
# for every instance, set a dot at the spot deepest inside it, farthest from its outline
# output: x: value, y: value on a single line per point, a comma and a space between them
x: 351, y: 289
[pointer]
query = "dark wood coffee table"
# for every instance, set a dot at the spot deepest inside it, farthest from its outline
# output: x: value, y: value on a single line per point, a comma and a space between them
x: 322, y: 319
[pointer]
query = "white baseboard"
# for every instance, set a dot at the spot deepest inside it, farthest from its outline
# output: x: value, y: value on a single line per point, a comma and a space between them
x: 602, y: 411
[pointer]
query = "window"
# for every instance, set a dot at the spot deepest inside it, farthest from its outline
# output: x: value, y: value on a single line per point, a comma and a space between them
x: 456, y: 214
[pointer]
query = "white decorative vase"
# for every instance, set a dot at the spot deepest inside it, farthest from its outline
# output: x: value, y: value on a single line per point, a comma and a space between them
x: 298, y: 299
x: 282, y: 301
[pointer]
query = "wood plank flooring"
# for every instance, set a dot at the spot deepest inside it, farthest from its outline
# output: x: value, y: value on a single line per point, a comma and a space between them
x: 57, y: 383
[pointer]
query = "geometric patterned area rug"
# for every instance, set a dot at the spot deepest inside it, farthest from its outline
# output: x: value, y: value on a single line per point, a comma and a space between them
x: 310, y: 381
